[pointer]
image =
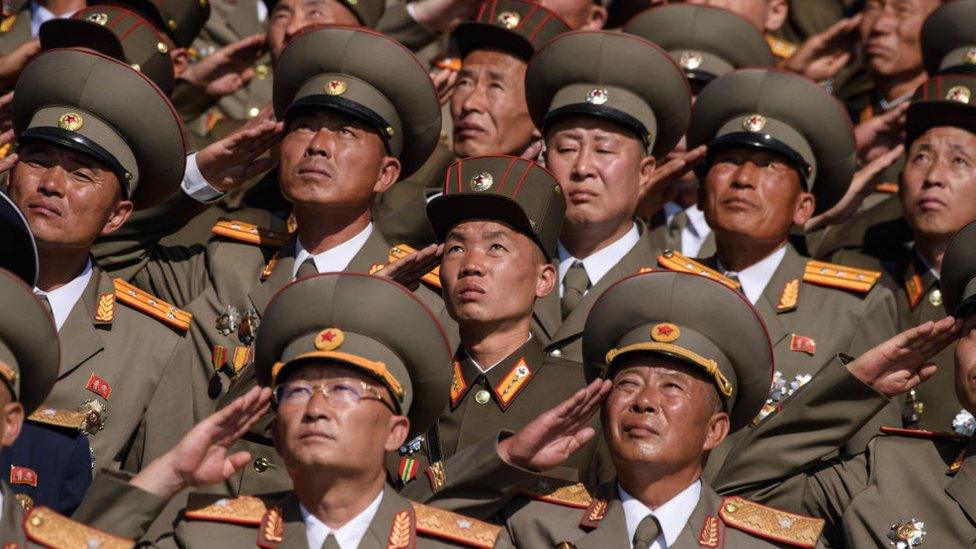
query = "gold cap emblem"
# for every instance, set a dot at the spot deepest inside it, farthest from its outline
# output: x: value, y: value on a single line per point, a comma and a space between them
x: 970, y: 57
x: 97, y: 18
x: 959, y: 94
x: 329, y: 339
x: 509, y: 19
x: 597, y: 96
x: 71, y: 121
x: 335, y: 87
x: 690, y: 60
x: 665, y: 332
x: 482, y: 182
x: 754, y: 123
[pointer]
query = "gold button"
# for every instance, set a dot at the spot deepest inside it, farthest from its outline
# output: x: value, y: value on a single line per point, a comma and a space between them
x: 171, y: 24
x: 482, y: 396
x: 556, y: 353
x: 161, y: 48
x: 262, y: 71
x: 261, y: 464
x: 935, y: 298
x: 731, y: 507
x: 253, y: 111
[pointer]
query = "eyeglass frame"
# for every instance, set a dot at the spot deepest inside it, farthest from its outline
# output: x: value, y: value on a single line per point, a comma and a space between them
x: 324, y: 390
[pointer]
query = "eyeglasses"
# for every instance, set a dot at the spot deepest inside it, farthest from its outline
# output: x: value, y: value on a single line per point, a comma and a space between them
x: 340, y: 393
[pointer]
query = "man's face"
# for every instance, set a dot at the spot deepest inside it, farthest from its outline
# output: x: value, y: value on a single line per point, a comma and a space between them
x: 579, y: 14
x: 890, y: 34
x: 601, y: 167
x: 768, y: 15
x: 332, y: 159
x: 344, y: 441
x: 966, y: 367
x: 290, y: 16
x: 938, y: 183
x: 754, y: 193
x: 661, y: 412
x: 492, y: 274
x: 69, y: 198
x: 488, y: 106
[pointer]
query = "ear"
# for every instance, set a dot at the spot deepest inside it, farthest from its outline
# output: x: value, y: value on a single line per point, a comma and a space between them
x: 805, y: 205
x: 181, y: 60
x: 11, y: 420
x: 596, y: 18
x: 645, y: 173
x: 399, y: 429
x: 119, y: 215
x: 718, y: 429
x: 389, y: 174
x: 776, y: 12
x: 545, y: 280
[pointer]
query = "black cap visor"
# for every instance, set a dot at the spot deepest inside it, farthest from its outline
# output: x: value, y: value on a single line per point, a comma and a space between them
x: 343, y: 105
x: 757, y: 141
x: 600, y: 111
x: 471, y: 36
x: 447, y: 211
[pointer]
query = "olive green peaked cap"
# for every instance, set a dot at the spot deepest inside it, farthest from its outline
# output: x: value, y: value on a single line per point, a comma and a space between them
x: 368, y: 12
x: 102, y: 107
x: 518, y: 192
x: 182, y: 20
x: 363, y: 322
x: 18, y: 251
x: 518, y: 27
x: 948, y: 38
x: 784, y: 113
x: 958, y: 275
x: 944, y: 100
x: 616, y: 76
x: 705, y: 41
x: 117, y: 32
x: 367, y: 75
x: 691, y: 318
x: 29, y: 350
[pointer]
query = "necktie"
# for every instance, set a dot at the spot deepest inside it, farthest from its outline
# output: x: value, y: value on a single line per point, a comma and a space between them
x: 330, y: 543
x: 306, y: 269
x: 575, y: 285
x: 647, y: 531
x: 46, y: 303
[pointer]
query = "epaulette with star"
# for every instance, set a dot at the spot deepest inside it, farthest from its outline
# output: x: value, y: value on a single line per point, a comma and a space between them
x: 244, y: 510
x: 442, y: 524
x: 249, y: 233
x: 146, y: 303
x: 49, y: 529
x: 559, y: 492
x: 675, y: 261
x: 782, y: 49
x: 841, y: 277
x: 769, y: 523
x: 432, y: 279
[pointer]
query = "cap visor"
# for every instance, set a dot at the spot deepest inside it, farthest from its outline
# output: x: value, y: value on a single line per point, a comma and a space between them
x: 75, y: 33
x: 446, y: 211
x: 926, y: 115
x: 471, y: 36
x: 18, y: 253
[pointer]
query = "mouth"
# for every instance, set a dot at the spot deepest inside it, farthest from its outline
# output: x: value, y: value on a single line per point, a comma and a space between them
x: 929, y: 204
x: 737, y: 204
x: 313, y: 170
x: 44, y: 208
x: 874, y: 49
x: 469, y: 292
x: 580, y: 196
x: 467, y: 130
x: 314, y: 434
x: 639, y: 429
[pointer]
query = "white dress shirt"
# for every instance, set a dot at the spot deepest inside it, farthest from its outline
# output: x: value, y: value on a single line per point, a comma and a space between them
x: 348, y: 535
x: 63, y: 299
x: 41, y: 15
x: 335, y: 259
x: 695, y: 231
x: 672, y: 515
x: 755, y: 277
x: 195, y: 185
x: 927, y: 266
x: 485, y: 370
x: 600, y: 262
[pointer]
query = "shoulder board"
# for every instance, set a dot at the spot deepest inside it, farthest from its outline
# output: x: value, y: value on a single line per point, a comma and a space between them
x: 675, y: 261
x: 151, y: 305
x: 842, y: 277
x: 921, y: 433
x: 783, y: 49
x: 769, y: 523
x: 246, y: 510
x: 68, y: 419
x: 452, y: 526
x: 888, y: 188
x: 249, y: 233
x: 398, y: 252
x: 560, y: 492
x: 8, y: 22
x: 47, y: 528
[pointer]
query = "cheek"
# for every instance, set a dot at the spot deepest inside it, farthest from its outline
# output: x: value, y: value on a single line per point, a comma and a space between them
x: 292, y: 149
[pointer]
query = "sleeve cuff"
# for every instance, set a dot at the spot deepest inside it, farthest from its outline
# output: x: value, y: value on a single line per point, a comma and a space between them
x: 194, y: 184
x: 115, y: 506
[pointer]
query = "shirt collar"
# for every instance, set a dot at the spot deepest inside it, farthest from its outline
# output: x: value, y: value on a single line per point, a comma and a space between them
x: 754, y: 278
x: 599, y: 263
x: 696, y: 221
x: 673, y: 514
x: 924, y: 263
x: 348, y: 535
x: 63, y: 299
x: 335, y: 259
x: 41, y: 15
x: 671, y: 209
x: 467, y: 355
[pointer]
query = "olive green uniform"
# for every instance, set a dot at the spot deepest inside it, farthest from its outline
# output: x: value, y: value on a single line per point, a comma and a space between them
x: 16, y: 28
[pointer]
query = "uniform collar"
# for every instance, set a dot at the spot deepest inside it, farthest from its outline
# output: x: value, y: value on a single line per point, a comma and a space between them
x: 336, y: 259
x: 63, y: 299
x: 506, y: 380
x: 673, y: 514
x: 349, y: 535
x: 917, y: 279
x: 754, y: 278
x: 599, y: 263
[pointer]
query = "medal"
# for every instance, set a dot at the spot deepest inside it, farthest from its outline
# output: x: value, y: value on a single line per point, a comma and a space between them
x: 906, y: 533
x: 228, y: 321
x: 249, y: 326
x: 412, y: 446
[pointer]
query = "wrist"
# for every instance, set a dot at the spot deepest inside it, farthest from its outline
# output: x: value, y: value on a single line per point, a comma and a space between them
x: 160, y: 478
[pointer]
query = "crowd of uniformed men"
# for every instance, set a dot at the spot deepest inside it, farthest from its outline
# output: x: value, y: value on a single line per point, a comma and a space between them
x: 488, y: 273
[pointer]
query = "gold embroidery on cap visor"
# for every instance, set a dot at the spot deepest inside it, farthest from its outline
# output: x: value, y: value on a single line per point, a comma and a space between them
x: 710, y: 366
x: 375, y: 368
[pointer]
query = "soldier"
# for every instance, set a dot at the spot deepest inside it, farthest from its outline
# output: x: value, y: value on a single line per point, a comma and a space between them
x: 84, y: 164
x: 770, y: 167
x: 767, y: 16
x: 22, y: 19
x: 590, y: 92
x: 947, y: 42
x: 706, y: 43
x: 682, y: 379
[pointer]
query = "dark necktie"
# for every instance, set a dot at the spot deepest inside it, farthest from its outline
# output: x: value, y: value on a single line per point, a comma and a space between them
x: 575, y: 285
x: 330, y: 543
x: 306, y: 269
x: 647, y: 531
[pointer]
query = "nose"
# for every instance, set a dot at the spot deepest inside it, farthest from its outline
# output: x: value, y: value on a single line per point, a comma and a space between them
x: 745, y: 176
x: 645, y: 401
x: 583, y: 166
x: 473, y: 100
x: 53, y: 181
x: 936, y: 175
x: 321, y: 144
x: 472, y: 265
x: 317, y: 407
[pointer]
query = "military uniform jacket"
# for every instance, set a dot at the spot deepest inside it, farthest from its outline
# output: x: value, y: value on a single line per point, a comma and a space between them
x: 511, y: 394
x: 865, y: 498
x: 549, y: 514
x: 667, y: 236
x: 15, y: 26
x: 564, y: 338
x: 124, y: 374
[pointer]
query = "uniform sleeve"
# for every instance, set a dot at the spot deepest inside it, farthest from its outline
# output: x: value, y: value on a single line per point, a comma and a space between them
x: 399, y: 24
x: 115, y: 506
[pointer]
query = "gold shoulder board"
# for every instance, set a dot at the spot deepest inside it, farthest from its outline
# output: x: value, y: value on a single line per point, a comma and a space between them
x: 842, y: 277
x: 560, y: 492
x: 246, y: 510
x: 771, y: 524
x: 452, y: 526
x: 249, y: 233
x: 398, y: 252
x: 782, y: 49
x: 68, y: 419
x: 921, y: 433
x: 674, y: 261
x: 49, y: 529
x: 151, y: 305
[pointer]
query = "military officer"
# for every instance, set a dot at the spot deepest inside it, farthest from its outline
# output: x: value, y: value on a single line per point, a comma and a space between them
x: 683, y: 378
x: 593, y: 91
x: 947, y: 41
x: 21, y: 21
x: 770, y: 166
x: 85, y: 162
x: 706, y: 42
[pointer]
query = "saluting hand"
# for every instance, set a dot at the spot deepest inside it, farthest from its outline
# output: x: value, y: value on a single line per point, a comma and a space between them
x: 823, y: 55
x: 227, y: 163
x: 664, y: 179
x: 228, y: 69
x: 408, y: 270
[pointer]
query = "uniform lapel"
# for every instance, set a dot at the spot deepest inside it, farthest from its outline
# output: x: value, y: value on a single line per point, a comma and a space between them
x: 79, y: 338
x: 790, y: 268
x: 962, y: 487
x: 11, y: 523
x: 505, y: 382
x: 695, y: 531
x: 393, y: 508
x: 547, y: 314
x: 281, y: 275
x: 612, y: 529
x: 376, y: 250
x: 295, y: 537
